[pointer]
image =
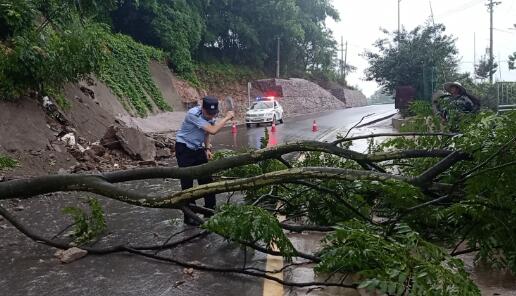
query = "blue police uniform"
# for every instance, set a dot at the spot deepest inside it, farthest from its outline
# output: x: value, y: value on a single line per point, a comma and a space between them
x: 190, y: 150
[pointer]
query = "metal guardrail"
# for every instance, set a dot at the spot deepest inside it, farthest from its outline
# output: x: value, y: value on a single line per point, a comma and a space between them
x: 506, y: 108
x: 506, y: 93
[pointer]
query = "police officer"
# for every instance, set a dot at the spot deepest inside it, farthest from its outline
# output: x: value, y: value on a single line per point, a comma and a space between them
x: 193, y: 143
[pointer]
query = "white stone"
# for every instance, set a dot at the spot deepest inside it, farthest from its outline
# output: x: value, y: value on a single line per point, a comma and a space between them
x: 70, y: 255
x: 69, y: 139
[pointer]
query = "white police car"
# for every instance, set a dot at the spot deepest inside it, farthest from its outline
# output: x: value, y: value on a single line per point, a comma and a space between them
x: 264, y: 110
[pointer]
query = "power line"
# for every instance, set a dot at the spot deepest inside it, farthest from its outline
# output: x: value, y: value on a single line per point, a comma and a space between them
x: 504, y: 31
x: 399, y: 28
x: 460, y: 8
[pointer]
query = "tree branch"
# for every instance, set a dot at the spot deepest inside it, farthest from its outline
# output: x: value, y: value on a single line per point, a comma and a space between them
x: 98, y: 251
x: 467, y: 251
x: 95, y: 184
x: 335, y: 193
x: 488, y: 170
x: 247, y: 271
x: 426, y: 204
x: 102, y: 184
x: 502, y: 149
x: 430, y: 174
x: 356, y: 124
x: 302, y: 228
x: 278, y: 177
x: 140, y: 251
x: 383, y: 156
x: 408, y: 134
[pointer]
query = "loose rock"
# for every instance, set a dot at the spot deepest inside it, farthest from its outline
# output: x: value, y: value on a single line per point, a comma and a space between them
x: 19, y: 208
x: 132, y: 141
x: 70, y: 255
x: 163, y: 153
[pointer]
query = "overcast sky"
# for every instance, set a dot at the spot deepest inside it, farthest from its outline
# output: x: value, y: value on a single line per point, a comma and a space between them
x: 361, y: 20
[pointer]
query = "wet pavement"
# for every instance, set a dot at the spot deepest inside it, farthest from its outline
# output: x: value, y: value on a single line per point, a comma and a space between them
x: 29, y: 268
x: 300, y: 128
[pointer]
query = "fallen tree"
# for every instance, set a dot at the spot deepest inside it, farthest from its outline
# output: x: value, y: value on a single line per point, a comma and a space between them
x: 382, y: 211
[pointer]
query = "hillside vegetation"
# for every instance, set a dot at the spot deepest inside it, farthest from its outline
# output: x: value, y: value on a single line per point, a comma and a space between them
x: 46, y: 43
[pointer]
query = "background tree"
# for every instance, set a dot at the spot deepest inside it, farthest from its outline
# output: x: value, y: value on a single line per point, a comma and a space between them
x: 512, y: 61
x: 246, y: 32
x: 485, y: 68
x: 191, y: 33
x: 45, y: 44
x: 237, y: 31
x: 174, y: 26
x: 380, y: 96
x: 512, y: 58
x: 423, y: 58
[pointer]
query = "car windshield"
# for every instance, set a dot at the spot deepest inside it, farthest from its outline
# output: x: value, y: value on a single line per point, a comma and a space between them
x: 262, y: 105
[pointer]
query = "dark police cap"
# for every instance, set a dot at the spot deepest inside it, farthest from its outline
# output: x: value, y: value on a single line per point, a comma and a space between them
x: 210, y: 104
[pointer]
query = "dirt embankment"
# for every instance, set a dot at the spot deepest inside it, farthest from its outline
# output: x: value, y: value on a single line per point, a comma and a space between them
x: 45, y: 139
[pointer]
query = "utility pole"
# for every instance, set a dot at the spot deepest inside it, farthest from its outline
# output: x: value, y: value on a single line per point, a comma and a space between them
x: 431, y: 12
x: 249, y: 93
x: 491, y: 9
x: 345, y: 62
x: 474, y: 56
x: 342, y: 57
x: 278, y: 59
x: 399, y: 27
x: 499, y: 68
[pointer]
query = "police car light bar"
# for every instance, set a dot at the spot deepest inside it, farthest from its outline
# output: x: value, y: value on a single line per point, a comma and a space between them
x: 269, y: 98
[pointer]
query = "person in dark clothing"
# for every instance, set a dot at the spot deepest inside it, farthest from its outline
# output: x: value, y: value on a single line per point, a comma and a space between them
x: 193, y: 143
x: 458, y: 101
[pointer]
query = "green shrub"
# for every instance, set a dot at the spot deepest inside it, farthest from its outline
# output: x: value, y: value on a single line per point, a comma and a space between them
x: 211, y: 74
x: 87, y: 227
x: 397, y: 263
x: 125, y: 69
x: 7, y: 162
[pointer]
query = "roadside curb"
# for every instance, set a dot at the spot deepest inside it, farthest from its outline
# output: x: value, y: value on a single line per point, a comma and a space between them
x: 331, y: 132
x: 377, y: 120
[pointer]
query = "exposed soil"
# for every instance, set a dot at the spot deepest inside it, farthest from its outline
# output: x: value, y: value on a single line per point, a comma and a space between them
x: 31, y: 131
x: 27, y: 135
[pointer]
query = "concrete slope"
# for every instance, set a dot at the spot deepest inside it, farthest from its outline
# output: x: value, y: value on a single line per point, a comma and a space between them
x: 163, y: 78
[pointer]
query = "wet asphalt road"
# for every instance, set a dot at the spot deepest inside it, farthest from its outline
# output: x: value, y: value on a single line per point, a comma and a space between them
x: 299, y: 128
x: 31, y: 269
